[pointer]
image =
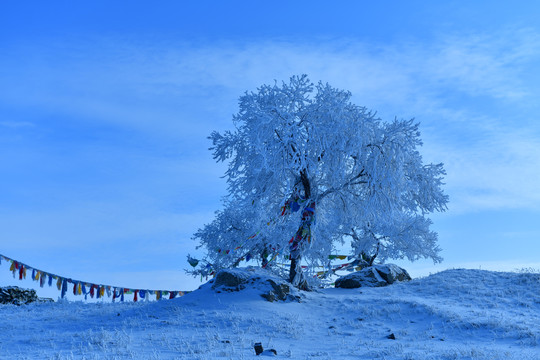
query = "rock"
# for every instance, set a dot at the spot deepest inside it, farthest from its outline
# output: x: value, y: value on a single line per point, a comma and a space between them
x: 258, y: 348
x: 373, y: 276
x: 230, y: 278
x: 17, y: 296
x: 260, y: 351
x: 392, y: 273
x: 45, y: 300
x: 272, y: 288
x: 279, y: 291
x: 368, y: 277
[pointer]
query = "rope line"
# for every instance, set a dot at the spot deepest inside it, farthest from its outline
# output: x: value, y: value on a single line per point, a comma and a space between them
x: 79, y: 287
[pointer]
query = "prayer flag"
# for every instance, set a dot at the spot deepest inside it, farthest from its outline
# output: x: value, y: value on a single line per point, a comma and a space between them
x: 64, y: 288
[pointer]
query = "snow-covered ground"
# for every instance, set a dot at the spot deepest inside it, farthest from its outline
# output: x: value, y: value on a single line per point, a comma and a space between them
x: 455, y: 314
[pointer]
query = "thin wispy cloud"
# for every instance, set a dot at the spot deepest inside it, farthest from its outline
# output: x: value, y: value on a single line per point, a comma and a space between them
x: 448, y: 85
x: 485, y: 65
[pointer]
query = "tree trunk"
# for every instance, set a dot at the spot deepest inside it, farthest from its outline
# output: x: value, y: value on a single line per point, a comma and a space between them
x: 296, y: 275
x: 292, y: 270
x: 305, y: 182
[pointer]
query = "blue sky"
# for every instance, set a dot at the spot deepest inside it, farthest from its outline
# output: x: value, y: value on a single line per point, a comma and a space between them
x: 105, y: 111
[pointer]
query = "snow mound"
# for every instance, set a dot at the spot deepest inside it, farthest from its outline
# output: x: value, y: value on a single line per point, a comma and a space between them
x: 271, y: 287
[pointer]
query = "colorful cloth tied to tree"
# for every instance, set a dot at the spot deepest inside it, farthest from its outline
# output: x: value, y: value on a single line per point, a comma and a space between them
x: 303, y: 234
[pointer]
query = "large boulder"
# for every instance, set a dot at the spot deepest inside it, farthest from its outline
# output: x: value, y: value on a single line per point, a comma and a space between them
x: 17, y: 296
x: 271, y: 287
x: 392, y: 273
x: 373, y: 276
x: 231, y: 279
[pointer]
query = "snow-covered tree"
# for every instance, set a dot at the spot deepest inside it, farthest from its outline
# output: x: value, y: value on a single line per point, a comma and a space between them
x: 308, y: 170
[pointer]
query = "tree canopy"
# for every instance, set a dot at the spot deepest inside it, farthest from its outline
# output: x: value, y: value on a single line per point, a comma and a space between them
x: 304, y: 162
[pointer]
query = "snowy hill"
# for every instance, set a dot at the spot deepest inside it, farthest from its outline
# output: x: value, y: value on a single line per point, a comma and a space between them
x: 455, y: 314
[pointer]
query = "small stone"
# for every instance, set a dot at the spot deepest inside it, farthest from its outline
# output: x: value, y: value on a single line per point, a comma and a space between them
x: 258, y: 348
x: 391, y: 336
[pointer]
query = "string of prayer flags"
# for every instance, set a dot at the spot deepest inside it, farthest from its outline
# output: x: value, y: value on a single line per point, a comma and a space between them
x: 80, y: 287
x: 355, y: 265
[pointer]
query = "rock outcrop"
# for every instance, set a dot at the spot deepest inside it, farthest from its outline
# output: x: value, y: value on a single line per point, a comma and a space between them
x: 17, y: 296
x: 373, y: 276
x: 271, y: 287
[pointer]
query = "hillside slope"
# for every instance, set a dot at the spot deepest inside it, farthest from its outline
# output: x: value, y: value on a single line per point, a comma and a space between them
x: 455, y: 314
